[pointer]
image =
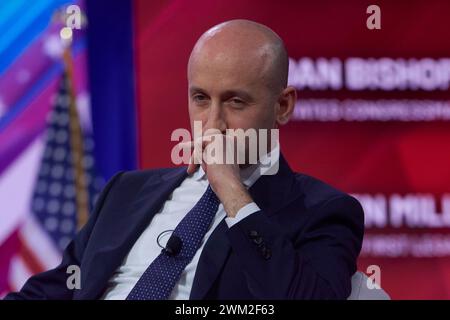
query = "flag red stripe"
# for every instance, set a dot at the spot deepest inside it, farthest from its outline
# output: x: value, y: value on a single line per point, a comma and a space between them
x: 29, y: 258
x: 8, y: 249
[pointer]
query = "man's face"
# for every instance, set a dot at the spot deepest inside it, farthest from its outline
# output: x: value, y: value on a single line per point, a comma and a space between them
x: 229, y: 91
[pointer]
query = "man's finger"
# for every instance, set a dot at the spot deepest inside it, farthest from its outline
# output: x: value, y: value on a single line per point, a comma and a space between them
x: 192, y: 166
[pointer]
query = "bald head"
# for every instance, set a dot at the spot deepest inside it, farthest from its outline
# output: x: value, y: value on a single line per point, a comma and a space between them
x: 243, y: 46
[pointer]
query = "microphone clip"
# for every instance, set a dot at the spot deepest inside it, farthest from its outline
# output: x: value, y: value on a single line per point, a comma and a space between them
x: 173, y: 245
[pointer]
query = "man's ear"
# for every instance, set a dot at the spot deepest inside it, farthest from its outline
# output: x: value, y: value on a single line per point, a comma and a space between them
x: 286, y: 102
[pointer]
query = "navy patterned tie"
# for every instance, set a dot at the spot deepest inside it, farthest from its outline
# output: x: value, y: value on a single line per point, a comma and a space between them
x: 161, y: 276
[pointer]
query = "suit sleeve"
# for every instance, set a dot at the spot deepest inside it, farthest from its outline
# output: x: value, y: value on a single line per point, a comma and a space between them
x: 52, y: 284
x: 316, y: 263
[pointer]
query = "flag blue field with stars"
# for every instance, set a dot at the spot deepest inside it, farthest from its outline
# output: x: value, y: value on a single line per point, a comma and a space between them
x: 55, y: 202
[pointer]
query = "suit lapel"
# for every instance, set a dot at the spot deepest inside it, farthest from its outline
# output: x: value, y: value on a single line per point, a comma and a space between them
x: 211, y: 261
x: 271, y: 193
x: 125, y: 228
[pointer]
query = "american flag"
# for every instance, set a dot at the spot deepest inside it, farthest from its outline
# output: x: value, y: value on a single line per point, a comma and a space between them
x: 46, y: 164
x: 64, y: 192
x: 65, y: 184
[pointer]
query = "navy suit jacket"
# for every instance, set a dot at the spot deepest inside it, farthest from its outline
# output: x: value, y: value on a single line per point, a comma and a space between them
x: 303, y: 244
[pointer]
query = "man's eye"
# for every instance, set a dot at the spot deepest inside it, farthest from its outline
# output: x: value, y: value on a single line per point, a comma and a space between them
x: 199, y: 98
x: 236, y: 101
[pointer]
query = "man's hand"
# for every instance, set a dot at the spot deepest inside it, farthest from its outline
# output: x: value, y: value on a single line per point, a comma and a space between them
x: 224, y: 176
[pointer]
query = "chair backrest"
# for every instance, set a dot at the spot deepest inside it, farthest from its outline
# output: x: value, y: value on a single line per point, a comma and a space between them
x: 361, y: 291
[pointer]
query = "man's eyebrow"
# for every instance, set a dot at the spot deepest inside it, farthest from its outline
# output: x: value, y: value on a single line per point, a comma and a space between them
x: 226, y: 94
x: 195, y: 90
x: 237, y: 93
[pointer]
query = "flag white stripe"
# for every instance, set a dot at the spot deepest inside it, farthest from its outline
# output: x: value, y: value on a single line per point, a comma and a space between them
x: 16, y: 188
x: 19, y: 273
x: 39, y: 243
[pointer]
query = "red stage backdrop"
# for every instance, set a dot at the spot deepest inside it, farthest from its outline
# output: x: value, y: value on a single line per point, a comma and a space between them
x: 373, y: 115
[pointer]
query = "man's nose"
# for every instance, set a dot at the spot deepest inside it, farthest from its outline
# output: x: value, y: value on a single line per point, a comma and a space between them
x: 215, y: 119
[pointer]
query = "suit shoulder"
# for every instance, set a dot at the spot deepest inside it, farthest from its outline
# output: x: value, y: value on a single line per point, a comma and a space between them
x: 135, y: 179
x: 123, y: 188
x: 327, y: 200
x: 317, y: 192
x: 145, y: 174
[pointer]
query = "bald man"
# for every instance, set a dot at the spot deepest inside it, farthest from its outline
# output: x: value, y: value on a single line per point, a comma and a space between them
x: 217, y: 230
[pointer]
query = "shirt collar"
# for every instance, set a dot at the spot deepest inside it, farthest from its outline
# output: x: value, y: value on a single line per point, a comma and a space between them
x: 267, y: 165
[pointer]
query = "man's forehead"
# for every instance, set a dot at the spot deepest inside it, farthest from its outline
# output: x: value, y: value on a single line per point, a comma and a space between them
x: 228, y: 76
x: 240, y: 51
x: 228, y: 65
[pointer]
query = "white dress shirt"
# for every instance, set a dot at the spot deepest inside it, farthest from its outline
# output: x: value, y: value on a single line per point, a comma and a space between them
x: 183, y: 199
